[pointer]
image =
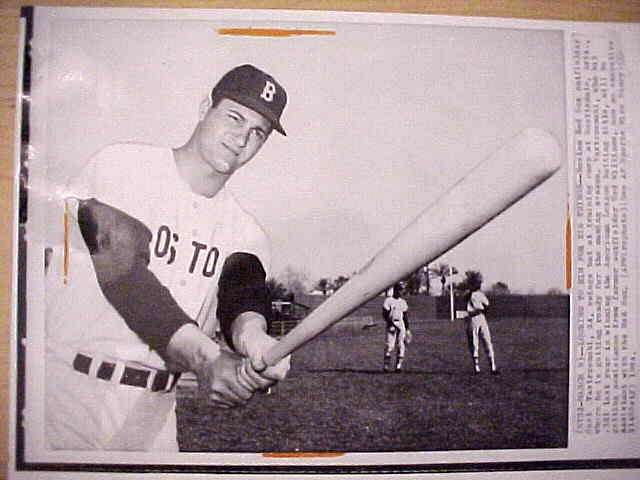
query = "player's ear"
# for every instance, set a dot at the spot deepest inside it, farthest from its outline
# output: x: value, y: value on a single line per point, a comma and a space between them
x: 205, y: 106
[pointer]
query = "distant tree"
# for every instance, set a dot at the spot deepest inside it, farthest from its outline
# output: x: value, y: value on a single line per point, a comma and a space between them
x: 413, y: 282
x: 324, y: 285
x: 555, y: 291
x: 339, y: 282
x: 276, y: 290
x: 419, y: 281
x: 294, y: 281
x: 471, y: 277
x: 442, y: 271
x: 460, y: 288
x: 500, y: 288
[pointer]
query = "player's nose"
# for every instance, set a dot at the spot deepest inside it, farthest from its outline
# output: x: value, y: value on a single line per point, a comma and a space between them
x: 241, y: 136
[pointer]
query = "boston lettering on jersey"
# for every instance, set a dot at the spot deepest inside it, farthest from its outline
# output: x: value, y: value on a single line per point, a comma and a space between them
x: 204, y: 258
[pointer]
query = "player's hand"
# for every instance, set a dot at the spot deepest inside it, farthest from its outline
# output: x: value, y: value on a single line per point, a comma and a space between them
x: 260, y: 343
x: 251, y: 340
x: 408, y: 337
x: 217, y: 369
x: 220, y: 382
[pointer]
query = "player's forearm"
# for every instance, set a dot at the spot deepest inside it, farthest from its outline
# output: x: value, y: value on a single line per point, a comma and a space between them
x: 190, y: 350
x: 246, y: 329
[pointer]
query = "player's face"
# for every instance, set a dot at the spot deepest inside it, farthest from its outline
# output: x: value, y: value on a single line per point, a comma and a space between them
x: 230, y: 134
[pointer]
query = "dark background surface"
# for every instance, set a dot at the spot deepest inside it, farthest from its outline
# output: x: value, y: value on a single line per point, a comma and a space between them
x: 337, y: 398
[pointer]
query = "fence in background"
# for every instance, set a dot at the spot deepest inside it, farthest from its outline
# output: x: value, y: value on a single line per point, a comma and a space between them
x: 438, y: 307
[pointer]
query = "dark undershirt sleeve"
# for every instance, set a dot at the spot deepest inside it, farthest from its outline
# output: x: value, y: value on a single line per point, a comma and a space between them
x: 146, y: 305
x: 241, y: 288
x: 387, y: 317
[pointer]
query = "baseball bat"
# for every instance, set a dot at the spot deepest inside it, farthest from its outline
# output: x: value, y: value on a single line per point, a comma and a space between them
x: 493, y: 185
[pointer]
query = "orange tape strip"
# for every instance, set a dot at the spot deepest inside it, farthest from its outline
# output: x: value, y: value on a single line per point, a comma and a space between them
x: 302, y: 454
x: 271, y: 32
x: 65, y: 254
x: 567, y: 251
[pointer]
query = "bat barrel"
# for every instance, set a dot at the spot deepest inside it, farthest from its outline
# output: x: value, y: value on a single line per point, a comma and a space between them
x: 487, y: 190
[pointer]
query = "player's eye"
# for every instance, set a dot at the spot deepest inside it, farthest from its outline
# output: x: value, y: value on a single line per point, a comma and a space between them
x: 235, y: 118
x: 259, y: 134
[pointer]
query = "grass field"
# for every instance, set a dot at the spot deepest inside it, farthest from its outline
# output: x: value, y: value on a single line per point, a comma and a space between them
x: 337, y: 398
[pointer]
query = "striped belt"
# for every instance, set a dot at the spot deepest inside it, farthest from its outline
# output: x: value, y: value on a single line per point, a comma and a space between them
x: 154, y: 380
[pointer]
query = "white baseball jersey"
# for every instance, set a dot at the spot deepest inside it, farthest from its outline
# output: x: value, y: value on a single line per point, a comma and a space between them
x: 397, y: 307
x: 396, y: 337
x: 478, y: 326
x: 477, y: 301
x: 192, y: 237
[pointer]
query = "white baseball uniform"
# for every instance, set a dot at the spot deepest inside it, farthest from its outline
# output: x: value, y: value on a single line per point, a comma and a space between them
x: 91, y: 351
x: 478, y: 327
x: 397, y: 307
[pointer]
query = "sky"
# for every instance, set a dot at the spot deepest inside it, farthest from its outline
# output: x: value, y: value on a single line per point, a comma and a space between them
x: 382, y: 119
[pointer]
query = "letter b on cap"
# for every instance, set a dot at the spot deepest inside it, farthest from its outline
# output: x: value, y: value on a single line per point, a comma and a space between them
x: 269, y: 91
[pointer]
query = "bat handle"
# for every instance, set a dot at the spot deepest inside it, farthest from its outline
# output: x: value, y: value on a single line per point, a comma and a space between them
x: 276, y: 353
x: 298, y: 336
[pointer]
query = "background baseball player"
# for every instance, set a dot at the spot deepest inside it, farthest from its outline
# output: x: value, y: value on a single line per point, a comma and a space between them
x: 158, y: 257
x: 477, y: 326
x: 395, y: 312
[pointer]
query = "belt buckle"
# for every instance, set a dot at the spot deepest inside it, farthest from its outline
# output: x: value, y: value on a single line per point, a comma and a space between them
x: 162, y: 381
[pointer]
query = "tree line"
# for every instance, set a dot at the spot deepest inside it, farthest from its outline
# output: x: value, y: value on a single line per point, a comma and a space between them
x: 419, y: 281
x: 292, y: 283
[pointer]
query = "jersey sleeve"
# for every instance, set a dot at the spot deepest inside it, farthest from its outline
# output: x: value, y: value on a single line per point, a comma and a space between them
x: 405, y: 314
x: 405, y: 306
x: 259, y: 245
x: 101, y: 177
x: 249, y: 235
x: 386, y: 305
x: 472, y: 303
x: 484, y: 299
x: 63, y: 238
x: 95, y: 203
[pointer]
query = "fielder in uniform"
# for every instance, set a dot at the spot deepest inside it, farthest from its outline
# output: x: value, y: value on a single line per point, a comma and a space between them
x: 477, y: 327
x: 395, y: 312
x: 157, y: 260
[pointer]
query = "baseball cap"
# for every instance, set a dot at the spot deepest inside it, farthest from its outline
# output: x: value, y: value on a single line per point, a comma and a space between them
x: 255, y: 89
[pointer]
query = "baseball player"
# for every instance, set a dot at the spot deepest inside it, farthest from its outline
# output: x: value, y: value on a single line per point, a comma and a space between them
x: 158, y: 257
x: 395, y: 312
x: 477, y: 326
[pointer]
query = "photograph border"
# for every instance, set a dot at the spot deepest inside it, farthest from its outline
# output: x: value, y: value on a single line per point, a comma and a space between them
x: 20, y: 365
